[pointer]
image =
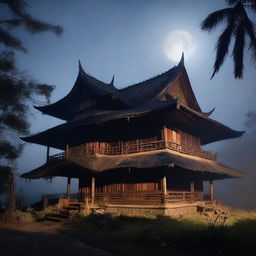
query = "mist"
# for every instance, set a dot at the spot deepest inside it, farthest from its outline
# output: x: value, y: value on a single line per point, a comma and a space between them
x: 240, y: 154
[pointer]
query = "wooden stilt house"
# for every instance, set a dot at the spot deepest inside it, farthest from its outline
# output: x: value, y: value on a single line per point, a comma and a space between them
x: 136, y: 146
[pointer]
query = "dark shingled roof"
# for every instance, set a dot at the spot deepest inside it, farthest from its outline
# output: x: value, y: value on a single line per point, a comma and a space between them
x: 130, y: 97
x: 152, y: 159
x: 209, y: 128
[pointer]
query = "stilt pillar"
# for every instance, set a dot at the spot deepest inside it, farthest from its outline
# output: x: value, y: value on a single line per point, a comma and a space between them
x: 165, y: 137
x: 93, y: 189
x: 164, y: 186
x: 211, y: 191
x: 192, y: 186
x: 47, y: 153
x: 67, y: 152
x: 68, y: 187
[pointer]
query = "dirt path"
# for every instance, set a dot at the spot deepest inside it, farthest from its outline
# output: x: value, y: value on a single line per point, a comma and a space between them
x: 42, y: 240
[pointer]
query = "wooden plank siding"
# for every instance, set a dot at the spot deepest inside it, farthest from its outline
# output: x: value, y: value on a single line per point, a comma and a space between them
x: 171, y: 138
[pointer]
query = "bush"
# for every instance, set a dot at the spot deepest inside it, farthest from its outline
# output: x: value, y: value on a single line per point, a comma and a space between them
x: 23, y: 217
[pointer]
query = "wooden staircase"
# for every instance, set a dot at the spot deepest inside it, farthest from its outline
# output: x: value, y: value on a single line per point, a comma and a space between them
x: 65, y: 213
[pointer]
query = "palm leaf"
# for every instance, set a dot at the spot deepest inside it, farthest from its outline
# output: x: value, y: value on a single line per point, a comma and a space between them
x: 223, y: 45
x: 238, y: 50
x: 215, y: 18
x: 250, y: 30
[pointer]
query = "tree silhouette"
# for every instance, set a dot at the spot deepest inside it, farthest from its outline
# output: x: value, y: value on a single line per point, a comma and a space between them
x: 17, y: 91
x: 238, y: 27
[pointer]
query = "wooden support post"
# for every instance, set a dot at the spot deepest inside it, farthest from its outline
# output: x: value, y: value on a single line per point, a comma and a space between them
x: 192, y: 186
x: 165, y: 137
x: 68, y: 187
x: 67, y: 151
x: 79, y: 189
x: 164, y: 185
x: 211, y: 190
x: 93, y: 189
x: 47, y: 153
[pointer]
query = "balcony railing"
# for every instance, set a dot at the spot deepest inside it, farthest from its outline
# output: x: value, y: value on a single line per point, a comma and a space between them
x: 142, y: 197
x: 126, y: 148
x: 59, y: 156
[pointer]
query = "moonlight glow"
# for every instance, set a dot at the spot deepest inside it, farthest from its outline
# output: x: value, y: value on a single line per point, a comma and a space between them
x: 177, y: 42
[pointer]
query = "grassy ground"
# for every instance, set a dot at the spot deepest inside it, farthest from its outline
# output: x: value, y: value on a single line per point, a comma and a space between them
x: 151, y: 236
x: 193, y: 235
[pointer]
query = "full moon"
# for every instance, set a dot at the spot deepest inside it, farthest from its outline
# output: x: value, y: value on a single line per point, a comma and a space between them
x: 177, y: 42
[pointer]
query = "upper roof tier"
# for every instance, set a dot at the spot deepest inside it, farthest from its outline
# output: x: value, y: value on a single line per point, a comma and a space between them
x: 88, y: 93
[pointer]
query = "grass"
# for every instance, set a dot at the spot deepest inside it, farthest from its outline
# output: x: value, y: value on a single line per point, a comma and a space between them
x: 193, y: 235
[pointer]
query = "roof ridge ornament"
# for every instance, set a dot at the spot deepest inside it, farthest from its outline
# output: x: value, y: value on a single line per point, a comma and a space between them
x: 81, y: 70
x: 181, y: 63
x: 210, y: 112
x: 112, y: 81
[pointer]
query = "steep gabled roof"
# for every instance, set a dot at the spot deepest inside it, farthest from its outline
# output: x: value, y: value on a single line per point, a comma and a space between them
x: 133, y: 96
x: 85, y: 84
x: 149, y: 90
x: 156, y: 87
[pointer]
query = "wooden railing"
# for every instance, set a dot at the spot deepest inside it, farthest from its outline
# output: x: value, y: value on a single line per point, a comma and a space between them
x: 127, y: 148
x: 143, y: 198
x: 59, y: 156
x: 132, y: 148
x: 191, y: 151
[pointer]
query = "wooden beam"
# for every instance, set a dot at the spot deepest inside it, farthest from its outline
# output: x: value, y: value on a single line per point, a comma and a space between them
x: 192, y: 186
x: 93, y: 189
x: 164, y: 185
x: 79, y: 188
x: 67, y: 151
x: 68, y: 187
x: 211, y: 191
x: 47, y: 153
x: 165, y: 137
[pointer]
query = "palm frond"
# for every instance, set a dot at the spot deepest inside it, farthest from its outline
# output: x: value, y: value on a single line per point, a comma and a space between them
x: 215, y: 18
x: 10, y: 41
x: 222, y: 46
x: 250, y: 30
x: 238, y: 50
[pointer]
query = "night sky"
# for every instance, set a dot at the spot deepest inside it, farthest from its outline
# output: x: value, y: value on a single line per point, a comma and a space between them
x: 126, y: 39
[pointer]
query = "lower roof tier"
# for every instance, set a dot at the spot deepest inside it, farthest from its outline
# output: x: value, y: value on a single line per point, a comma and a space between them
x: 167, y: 159
x: 78, y: 131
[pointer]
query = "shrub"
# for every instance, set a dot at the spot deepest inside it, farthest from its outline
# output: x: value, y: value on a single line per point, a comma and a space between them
x: 23, y: 217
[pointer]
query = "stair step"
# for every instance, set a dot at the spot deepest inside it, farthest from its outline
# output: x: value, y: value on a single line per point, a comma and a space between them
x: 71, y: 208
x: 53, y: 219
x: 58, y: 215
